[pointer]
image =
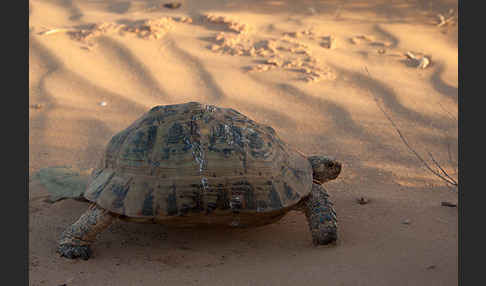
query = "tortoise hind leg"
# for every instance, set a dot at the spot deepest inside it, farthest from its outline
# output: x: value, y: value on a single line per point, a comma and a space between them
x: 321, y: 216
x: 76, y: 239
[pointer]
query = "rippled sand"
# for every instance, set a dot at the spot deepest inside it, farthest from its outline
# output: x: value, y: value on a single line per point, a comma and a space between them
x: 319, y: 72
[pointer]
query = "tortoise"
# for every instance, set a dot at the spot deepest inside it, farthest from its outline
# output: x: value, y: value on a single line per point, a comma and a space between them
x: 194, y: 164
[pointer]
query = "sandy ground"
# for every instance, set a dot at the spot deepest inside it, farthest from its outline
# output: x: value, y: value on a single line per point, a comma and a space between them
x: 299, y: 66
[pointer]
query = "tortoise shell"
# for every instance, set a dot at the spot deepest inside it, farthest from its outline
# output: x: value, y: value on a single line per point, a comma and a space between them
x: 195, y: 159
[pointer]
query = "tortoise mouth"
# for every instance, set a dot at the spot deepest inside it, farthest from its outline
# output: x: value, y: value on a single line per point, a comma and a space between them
x: 337, y: 166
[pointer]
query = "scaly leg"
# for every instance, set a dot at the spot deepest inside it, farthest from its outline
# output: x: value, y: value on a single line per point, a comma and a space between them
x: 76, y: 239
x: 321, y: 216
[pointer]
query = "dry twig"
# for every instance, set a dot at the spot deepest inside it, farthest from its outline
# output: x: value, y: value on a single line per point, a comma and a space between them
x: 444, y: 176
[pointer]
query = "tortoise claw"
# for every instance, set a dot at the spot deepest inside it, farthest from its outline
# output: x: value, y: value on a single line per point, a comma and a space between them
x: 325, y: 235
x: 74, y: 251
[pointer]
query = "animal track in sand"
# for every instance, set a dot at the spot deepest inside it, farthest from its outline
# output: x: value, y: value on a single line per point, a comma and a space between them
x: 371, y: 41
x: 329, y: 41
x: 232, y: 25
x: 147, y: 29
x: 238, y: 39
x: 285, y: 52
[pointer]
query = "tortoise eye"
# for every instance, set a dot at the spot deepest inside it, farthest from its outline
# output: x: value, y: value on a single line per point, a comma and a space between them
x: 330, y: 164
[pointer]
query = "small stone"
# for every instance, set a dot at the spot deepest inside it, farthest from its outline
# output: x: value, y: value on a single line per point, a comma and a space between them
x: 263, y: 67
x: 184, y: 19
x: 355, y: 40
x: 275, y: 62
x: 220, y: 37
x: 430, y: 267
x: 332, y: 43
x: 215, y: 48
x: 362, y: 200
x: 36, y: 106
x: 173, y: 5
x: 411, y: 55
x: 103, y: 103
x: 407, y: 221
x: 423, y: 63
x: 448, y: 204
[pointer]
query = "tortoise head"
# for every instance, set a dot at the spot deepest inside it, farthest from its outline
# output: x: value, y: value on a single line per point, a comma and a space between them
x: 324, y: 168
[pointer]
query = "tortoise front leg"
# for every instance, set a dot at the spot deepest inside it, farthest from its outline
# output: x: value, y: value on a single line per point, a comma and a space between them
x: 76, y: 239
x: 321, y: 216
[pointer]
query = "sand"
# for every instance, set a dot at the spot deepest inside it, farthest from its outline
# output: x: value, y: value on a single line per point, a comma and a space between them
x: 322, y: 73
